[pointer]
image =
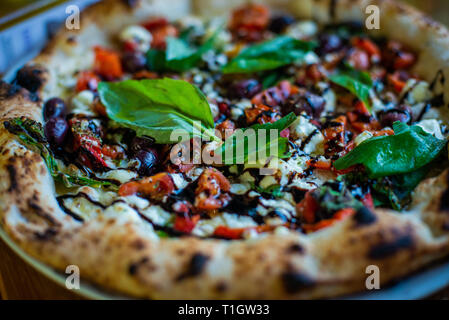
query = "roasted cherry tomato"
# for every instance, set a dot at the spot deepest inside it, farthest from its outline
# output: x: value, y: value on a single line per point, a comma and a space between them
x: 107, y: 63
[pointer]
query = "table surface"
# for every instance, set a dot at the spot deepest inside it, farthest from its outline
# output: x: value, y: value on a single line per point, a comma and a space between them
x: 18, y: 280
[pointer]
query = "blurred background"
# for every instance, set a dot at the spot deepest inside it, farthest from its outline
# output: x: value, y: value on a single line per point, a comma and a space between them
x: 26, y: 25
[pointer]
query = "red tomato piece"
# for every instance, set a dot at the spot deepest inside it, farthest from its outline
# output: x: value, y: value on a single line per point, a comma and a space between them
x: 185, y: 223
x: 107, y: 63
x: 87, y: 80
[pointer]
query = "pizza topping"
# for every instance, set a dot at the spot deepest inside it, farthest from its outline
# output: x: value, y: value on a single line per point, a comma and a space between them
x: 358, y: 83
x: 211, y: 193
x: 249, y: 21
x: 56, y: 131
x: 133, y: 61
x: 409, y: 149
x: 272, y: 54
x: 54, y: 108
x: 278, y: 24
x: 31, y: 133
x: 396, y: 57
x: 160, y: 29
x: 136, y: 38
x: 107, y: 63
x: 175, y: 104
x: 87, y: 80
x: 154, y: 187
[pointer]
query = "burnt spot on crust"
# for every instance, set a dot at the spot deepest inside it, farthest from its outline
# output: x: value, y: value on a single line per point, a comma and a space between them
x: 195, y: 266
x: 221, y: 287
x: 446, y: 226
x: 31, y: 77
x: 8, y: 91
x: 33, y: 204
x: 132, y: 270
x: 295, y: 249
x: 12, y: 177
x: 389, y: 248
x: 294, y: 282
x: 364, y: 216
x: 131, y: 3
x: 71, y: 39
x: 138, y: 244
x: 48, y: 234
x: 444, y: 202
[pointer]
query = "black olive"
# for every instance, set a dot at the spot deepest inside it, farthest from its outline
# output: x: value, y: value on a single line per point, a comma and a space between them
x: 329, y: 43
x: 310, y: 103
x: 402, y: 113
x: 279, y: 23
x: 245, y: 89
x: 140, y: 143
x: 56, y: 130
x: 149, y: 160
x: 133, y: 61
x: 54, y: 108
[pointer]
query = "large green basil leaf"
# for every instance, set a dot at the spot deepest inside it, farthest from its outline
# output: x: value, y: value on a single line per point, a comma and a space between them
x: 409, y: 149
x: 271, y: 54
x: 357, y: 82
x: 246, y: 146
x: 158, y: 107
x: 32, y: 134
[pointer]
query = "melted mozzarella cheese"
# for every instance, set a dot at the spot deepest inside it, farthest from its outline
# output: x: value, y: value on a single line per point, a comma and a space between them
x: 432, y: 126
x: 240, y: 188
x: 207, y: 227
x: 301, y: 128
x: 121, y: 175
x: 82, y: 103
x: 139, y: 35
x: 157, y: 215
x: 179, y: 180
x: 302, y: 30
x: 82, y: 207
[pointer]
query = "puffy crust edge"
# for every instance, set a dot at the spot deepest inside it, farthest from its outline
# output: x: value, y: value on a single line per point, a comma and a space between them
x: 123, y: 255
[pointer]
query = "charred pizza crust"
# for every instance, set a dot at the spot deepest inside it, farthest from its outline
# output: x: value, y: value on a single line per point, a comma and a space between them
x: 123, y: 254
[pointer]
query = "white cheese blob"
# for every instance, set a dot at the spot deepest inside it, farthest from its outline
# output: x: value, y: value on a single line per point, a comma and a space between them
x: 157, y: 215
x: 139, y: 35
x: 82, y: 103
x: 207, y: 227
x: 432, y: 126
x: 121, y: 175
x: 365, y: 135
x: 302, y: 30
x: 240, y: 188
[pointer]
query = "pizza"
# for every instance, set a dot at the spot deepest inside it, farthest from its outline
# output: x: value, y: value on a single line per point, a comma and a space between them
x: 231, y: 150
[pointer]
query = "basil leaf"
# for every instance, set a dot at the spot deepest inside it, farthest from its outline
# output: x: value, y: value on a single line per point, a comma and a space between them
x: 394, y: 192
x: 158, y: 107
x: 246, y: 146
x: 156, y: 60
x: 273, y: 190
x: 271, y: 54
x: 409, y: 149
x: 179, y: 56
x: 271, y: 79
x: 162, y: 234
x: 32, y: 134
x: 357, y: 82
